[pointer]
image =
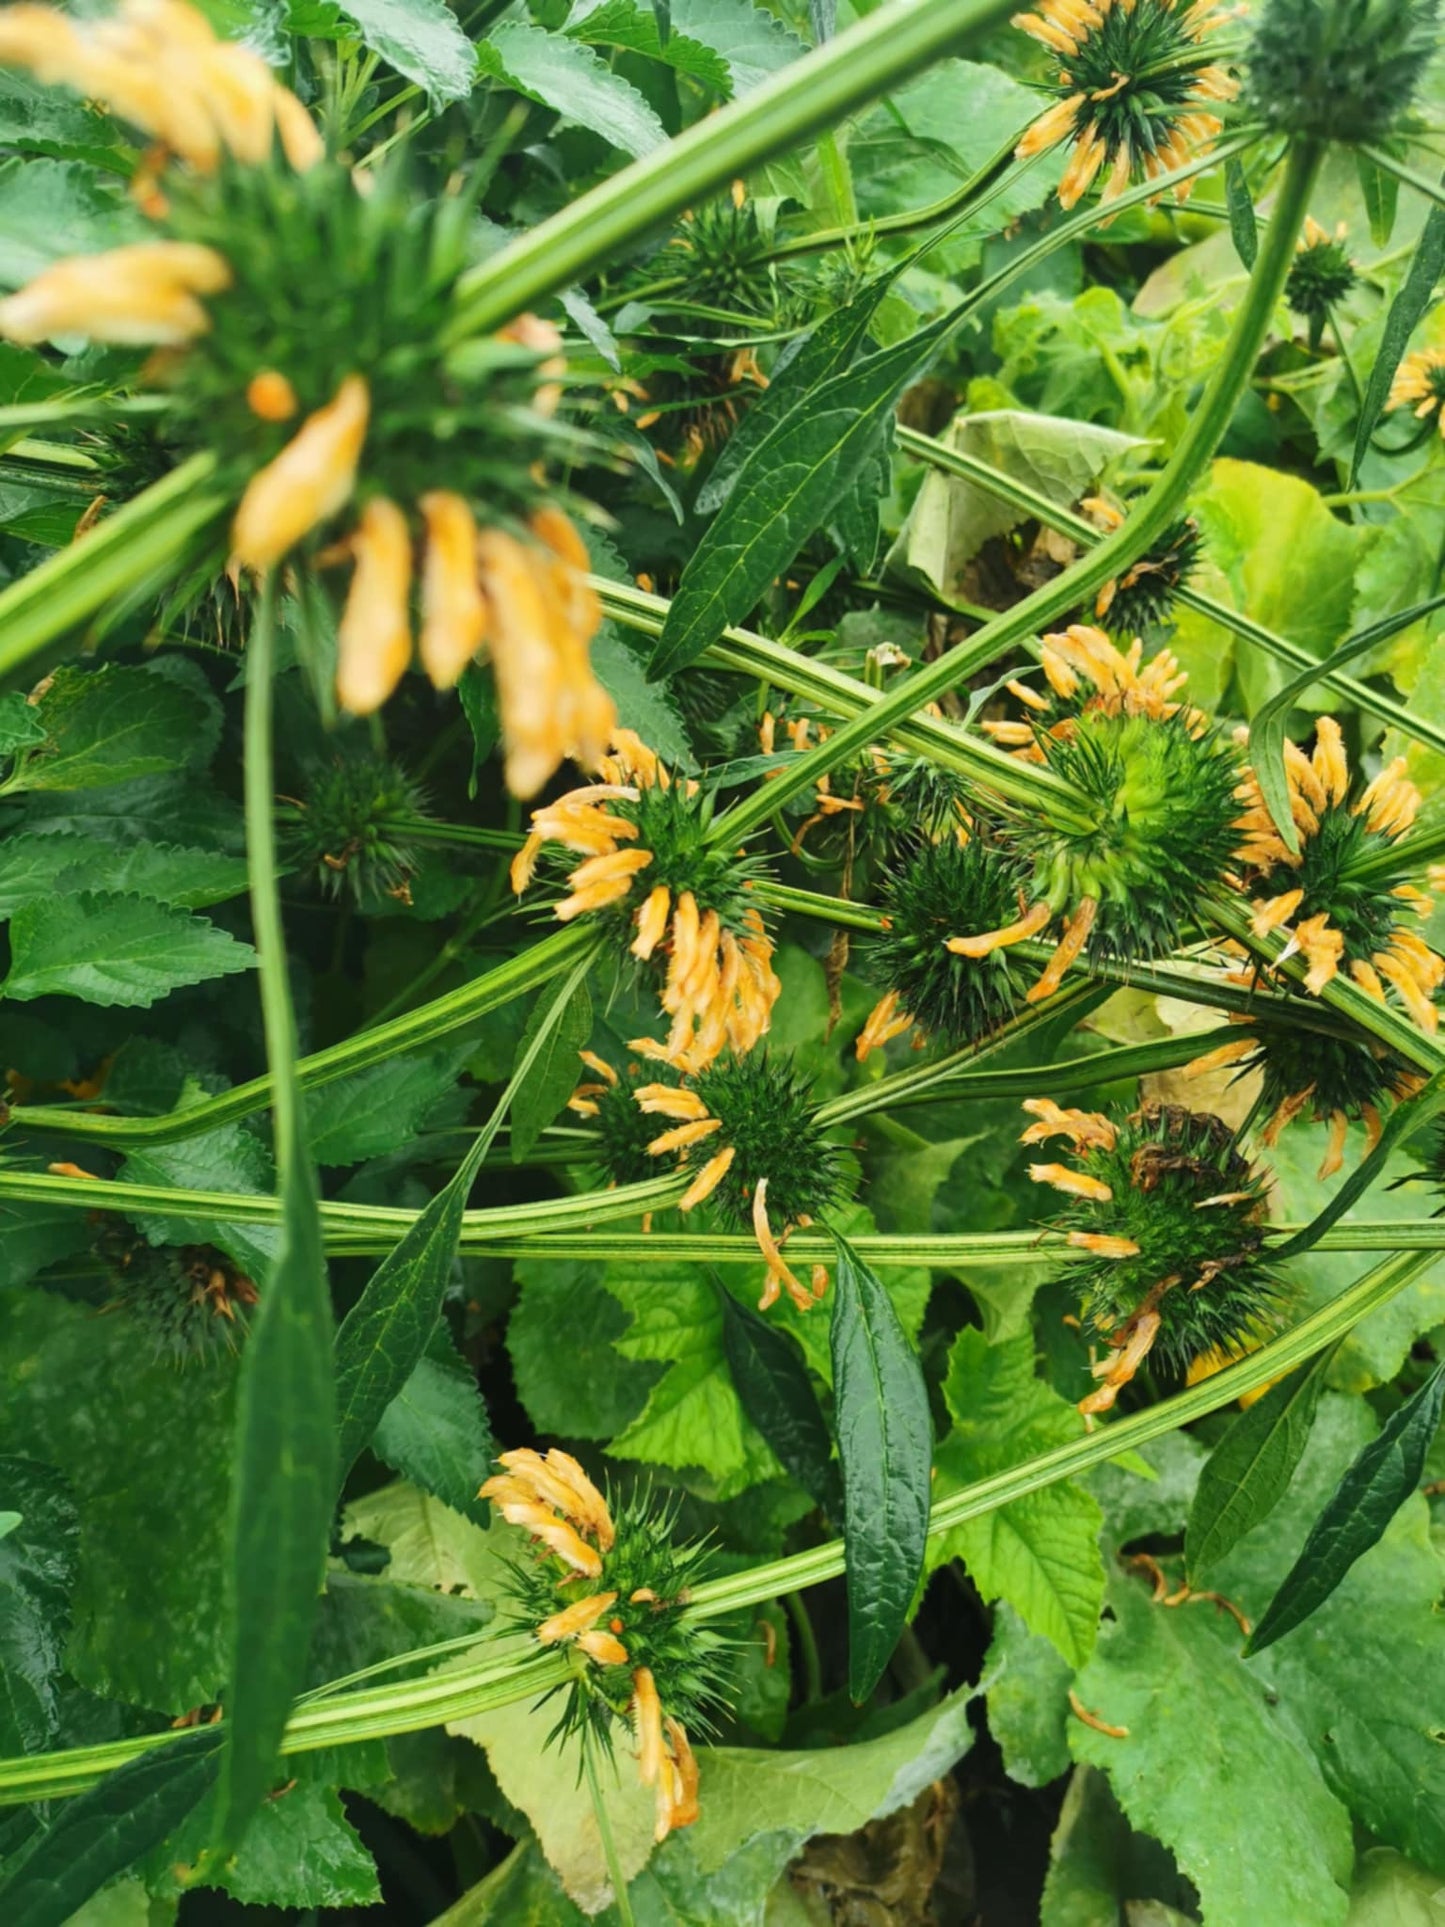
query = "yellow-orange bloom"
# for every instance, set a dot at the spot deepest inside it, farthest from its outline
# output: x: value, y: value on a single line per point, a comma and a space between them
x: 307, y: 483
x: 373, y: 638
x: 139, y: 296
x: 454, y: 616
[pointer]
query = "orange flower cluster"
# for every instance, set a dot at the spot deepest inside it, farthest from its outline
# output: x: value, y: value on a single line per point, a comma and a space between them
x: 553, y: 1498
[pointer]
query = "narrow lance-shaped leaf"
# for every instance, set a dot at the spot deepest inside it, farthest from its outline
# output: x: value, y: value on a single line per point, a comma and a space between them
x: 785, y: 491
x: 386, y: 1331
x: 777, y: 1394
x: 1404, y: 317
x: 284, y: 1488
x: 548, y: 1048
x: 885, y: 1440
x: 1248, y: 1472
x: 1243, y: 230
x: 101, y: 1833
x: 1381, y: 193
x: 1366, y: 1499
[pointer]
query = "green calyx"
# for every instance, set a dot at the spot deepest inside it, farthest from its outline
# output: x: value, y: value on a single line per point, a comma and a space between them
x: 1192, y: 1205
x: 1155, y: 52
x: 191, y: 1299
x: 1340, y: 1075
x: 1338, y: 70
x: 1142, y: 598
x: 1162, y: 833
x: 766, y: 1114
x: 934, y: 891
x: 1341, y: 875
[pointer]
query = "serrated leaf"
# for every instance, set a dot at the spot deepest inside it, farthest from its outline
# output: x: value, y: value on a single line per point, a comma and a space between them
x: 1381, y: 193
x: 20, y: 726
x: 101, y: 1833
x: 633, y: 28
x: 1270, y: 1842
x: 109, y: 725
x: 784, y: 492
x: 385, y: 1333
x: 1039, y: 1552
x: 570, y: 79
x: 1243, y: 228
x: 378, y: 1109
x: 109, y: 950
x: 753, y: 42
x: 1248, y: 1472
x: 37, y: 1570
x: 229, y: 1158
x: 53, y: 208
x: 300, y: 1852
x: 32, y: 867
x: 1386, y: 1473
x: 541, y: 1089
x: 422, y: 39
x: 435, y: 1431
x: 777, y: 1394
x: 649, y: 709
x: 1427, y: 260
x: 885, y: 1441
x: 585, y: 1389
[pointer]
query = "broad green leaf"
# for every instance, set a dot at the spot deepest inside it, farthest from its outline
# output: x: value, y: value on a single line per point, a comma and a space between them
x: 435, y: 1431
x: 38, y: 117
x: 1027, y: 1684
x: 802, y: 366
x: 1377, y: 1484
x: 633, y: 28
x: 33, y: 1236
x: 1248, y: 1472
x: 385, y: 1333
x: 364, y: 1620
x: 422, y: 39
x: 777, y: 1394
x: 1363, y: 1679
x: 551, y: 1074
x: 570, y: 79
x: 109, y: 949
x: 381, y: 1108
x: 51, y: 208
x: 108, y: 725
x: 37, y: 1570
x: 1269, y: 1842
x: 1039, y: 1552
x: 885, y: 1442
x: 33, y: 867
x: 230, y: 1158
x: 584, y: 1389
x: 1381, y: 194
x: 300, y: 1851
x: 649, y: 708
x: 1389, y: 1891
x: 952, y: 518
x: 145, y: 1452
x: 1427, y: 259
x: 1243, y: 228
x: 693, y: 1421
x: 1101, y: 1871
x: 784, y: 492
x: 750, y: 39
x: 20, y: 726
x: 430, y: 1544
x: 99, y: 1834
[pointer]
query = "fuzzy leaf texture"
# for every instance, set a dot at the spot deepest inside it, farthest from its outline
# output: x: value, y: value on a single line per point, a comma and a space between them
x: 1386, y: 1473
x: 422, y: 39
x: 107, y: 726
x: 572, y: 80
x: 777, y: 1394
x: 885, y: 1441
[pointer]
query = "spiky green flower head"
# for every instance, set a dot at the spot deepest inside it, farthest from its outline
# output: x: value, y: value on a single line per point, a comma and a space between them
x: 1307, y: 1072
x: 1168, y: 1215
x: 1135, y: 89
x: 1320, y: 276
x: 1342, y: 897
x: 719, y: 257
x: 932, y: 892
x: 864, y: 806
x: 681, y: 905
x: 1142, y: 598
x: 348, y: 827
x: 191, y: 1300
x: 765, y: 1116
x: 607, y: 1098
x: 1338, y: 70
x: 609, y: 1586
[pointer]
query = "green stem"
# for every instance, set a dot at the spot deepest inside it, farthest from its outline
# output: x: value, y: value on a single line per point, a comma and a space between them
x: 278, y: 1021
x: 1149, y: 519
x: 409, y: 1706
x: 812, y: 94
x: 411, y: 1031
x: 620, y: 1896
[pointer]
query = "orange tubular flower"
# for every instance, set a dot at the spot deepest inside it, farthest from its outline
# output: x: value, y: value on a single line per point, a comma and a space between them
x: 1419, y: 385
x: 552, y: 1497
x: 454, y: 616
x: 308, y: 482
x: 373, y: 639
x: 138, y: 296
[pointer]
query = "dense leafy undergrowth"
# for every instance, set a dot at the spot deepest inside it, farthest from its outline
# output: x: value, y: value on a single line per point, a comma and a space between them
x: 721, y: 731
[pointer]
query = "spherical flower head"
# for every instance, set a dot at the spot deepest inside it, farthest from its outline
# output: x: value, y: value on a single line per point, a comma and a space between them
x: 1168, y: 1215
x: 719, y: 253
x: 933, y: 892
x: 1135, y: 89
x: 1142, y: 598
x: 644, y: 1668
x: 345, y: 832
x: 191, y: 1299
x: 1320, y: 277
x: 1337, y: 70
x: 683, y: 903
x: 1343, y: 899
x: 624, y: 1131
x: 1419, y: 385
